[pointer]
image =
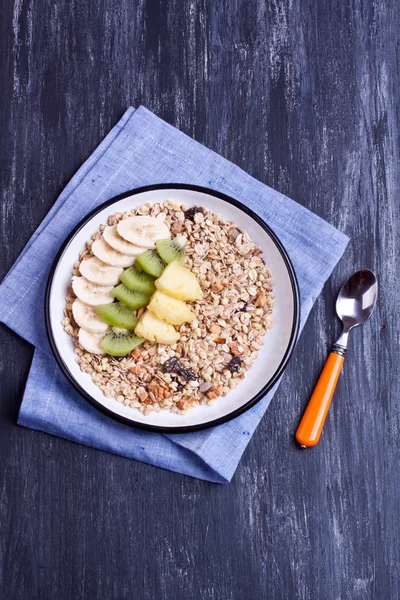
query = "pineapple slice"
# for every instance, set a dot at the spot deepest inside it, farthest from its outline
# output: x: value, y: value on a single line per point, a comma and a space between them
x: 156, y: 330
x: 170, y: 309
x: 179, y: 282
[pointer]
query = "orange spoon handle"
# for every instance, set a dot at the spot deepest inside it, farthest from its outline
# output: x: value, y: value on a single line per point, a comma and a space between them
x: 312, y: 422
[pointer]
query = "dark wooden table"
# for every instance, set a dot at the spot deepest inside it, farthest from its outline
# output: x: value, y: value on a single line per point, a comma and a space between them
x: 304, y: 96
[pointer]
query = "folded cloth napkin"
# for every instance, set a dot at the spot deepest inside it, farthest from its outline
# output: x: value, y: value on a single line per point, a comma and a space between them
x: 141, y: 150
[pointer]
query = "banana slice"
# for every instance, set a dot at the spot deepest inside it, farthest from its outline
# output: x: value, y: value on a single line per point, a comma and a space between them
x: 117, y: 242
x: 90, y: 293
x: 86, y: 317
x: 108, y: 255
x: 143, y: 231
x: 99, y: 273
x: 90, y: 341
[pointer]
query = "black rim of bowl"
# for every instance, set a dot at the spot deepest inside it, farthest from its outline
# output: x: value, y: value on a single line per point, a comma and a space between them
x: 235, y: 413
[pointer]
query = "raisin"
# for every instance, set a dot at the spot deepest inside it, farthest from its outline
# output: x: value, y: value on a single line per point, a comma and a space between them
x: 180, y: 387
x: 234, y: 364
x: 188, y: 374
x: 189, y: 214
x: 172, y: 365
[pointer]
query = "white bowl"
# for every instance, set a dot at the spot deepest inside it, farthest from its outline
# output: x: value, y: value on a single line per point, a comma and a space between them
x: 279, y: 342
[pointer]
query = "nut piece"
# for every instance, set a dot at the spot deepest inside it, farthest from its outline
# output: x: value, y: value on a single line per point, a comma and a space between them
x: 260, y: 300
x: 142, y: 394
x: 214, y: 392
x: 137, y: 354
x: 141, y: 371
x: 233, y: 234
x: 159, y: 389
x: 205, y: 387
x: 214, y: 328
x: 215, y: 331
x: 112, y: 220
x: 236, y: 349
x: 156, y: 390
x: 186, y: 402
x: 217, y: 288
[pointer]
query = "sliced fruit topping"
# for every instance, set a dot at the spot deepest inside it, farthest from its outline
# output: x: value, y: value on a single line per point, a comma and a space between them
x: 172, y: 249
x: 90, y: 293
x: 138, y: 281
x: 117, y: 315
x: 170, y: 309
x: 133, y: 300
x: 108, y: 255
x: 179, y: 282
x: 156, y: 330
x: 113, y: 239
x: 91, y: 341
x: 98, y: 272
x: 151, y: 263
x: 119, y: 342
x: 142, y: 230
x: 86, y: 317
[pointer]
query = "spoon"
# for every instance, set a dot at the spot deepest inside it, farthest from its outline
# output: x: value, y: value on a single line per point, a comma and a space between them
x: 354, y: 306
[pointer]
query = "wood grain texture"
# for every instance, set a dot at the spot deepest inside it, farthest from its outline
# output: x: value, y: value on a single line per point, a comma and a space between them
x: 304, y: 96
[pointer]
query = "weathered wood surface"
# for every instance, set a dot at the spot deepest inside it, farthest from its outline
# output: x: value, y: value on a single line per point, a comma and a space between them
x: 304, y: 96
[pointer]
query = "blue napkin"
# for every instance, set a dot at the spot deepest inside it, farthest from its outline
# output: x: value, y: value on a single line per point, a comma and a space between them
x: 141, y: 150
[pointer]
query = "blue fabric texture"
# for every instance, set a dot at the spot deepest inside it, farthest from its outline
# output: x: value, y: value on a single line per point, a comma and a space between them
x: 142, y: 150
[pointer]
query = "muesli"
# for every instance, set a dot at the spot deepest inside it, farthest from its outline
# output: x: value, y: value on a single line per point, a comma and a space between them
x: 168, y: 306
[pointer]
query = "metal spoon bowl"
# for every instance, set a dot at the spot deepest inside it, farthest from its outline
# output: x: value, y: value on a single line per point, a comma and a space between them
x: 355, y: 303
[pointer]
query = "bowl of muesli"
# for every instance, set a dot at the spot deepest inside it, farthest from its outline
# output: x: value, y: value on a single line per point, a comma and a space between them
x: 172, y: 308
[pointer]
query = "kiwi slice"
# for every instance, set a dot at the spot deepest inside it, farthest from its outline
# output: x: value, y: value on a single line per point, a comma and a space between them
x: 119, y: 342
x: 171, y: 250
x: 117, y: 315
x: 138, y: 281
x: 151, y: 263
x: 133, y: 300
